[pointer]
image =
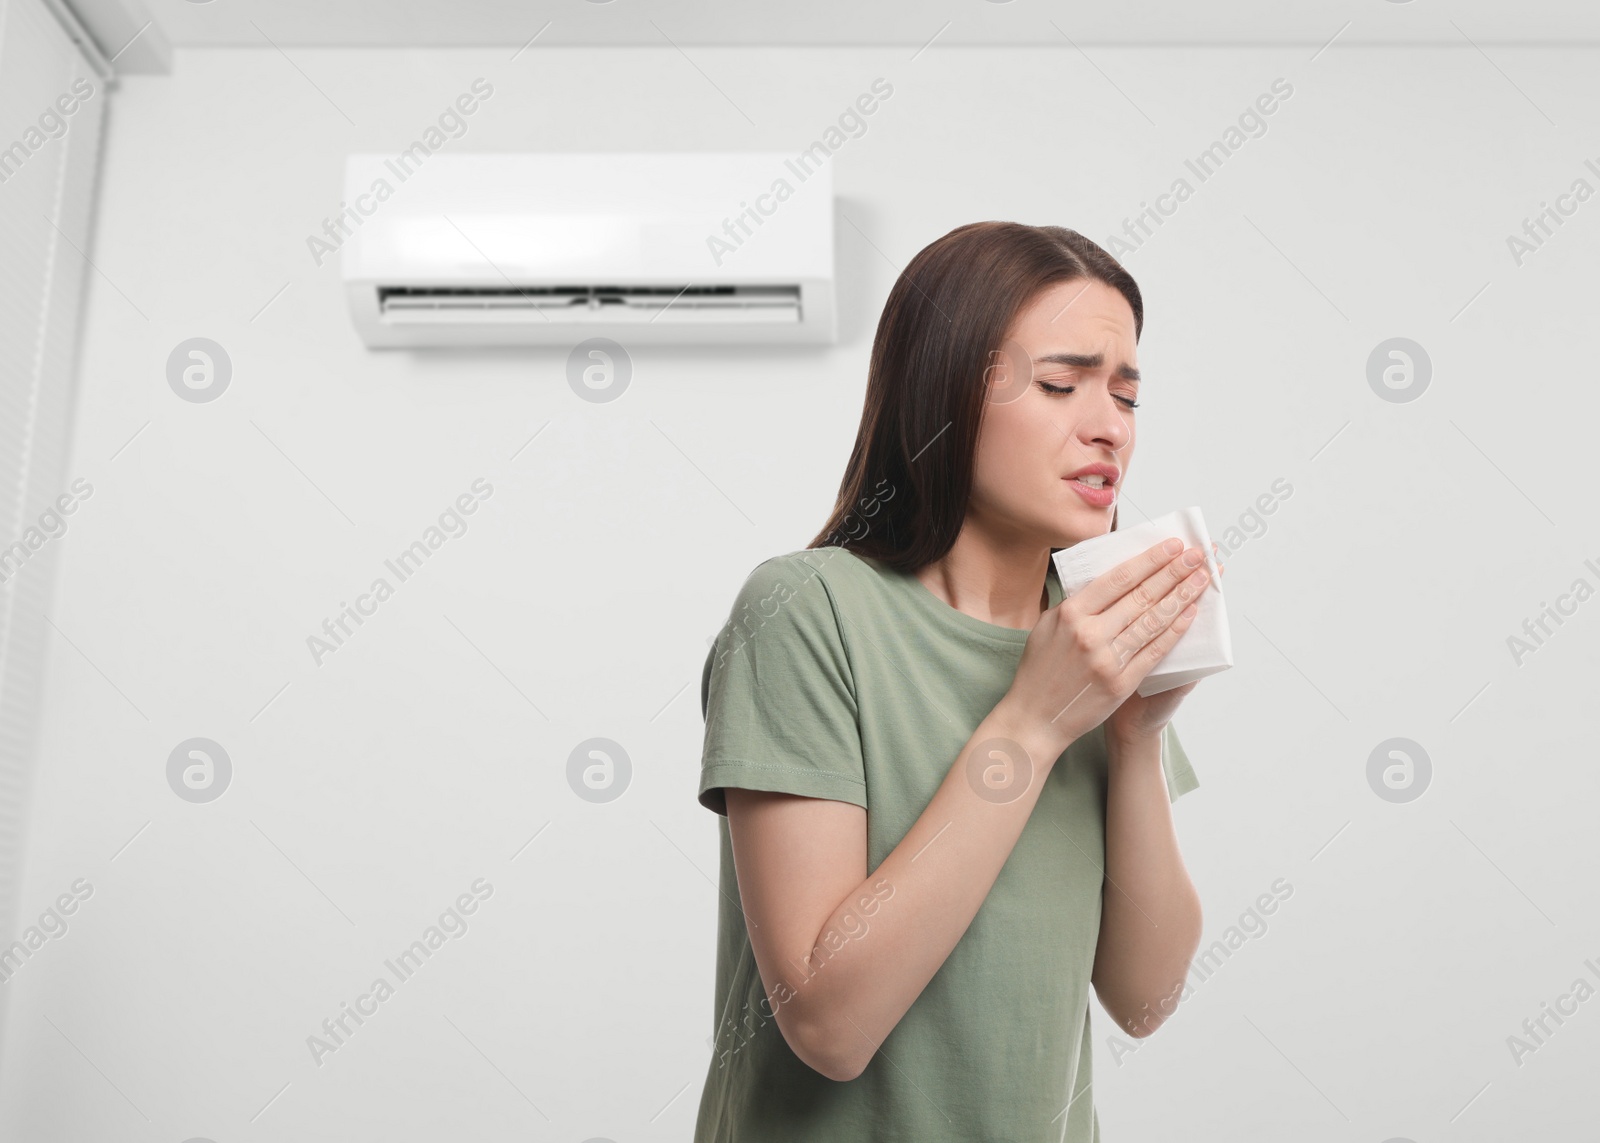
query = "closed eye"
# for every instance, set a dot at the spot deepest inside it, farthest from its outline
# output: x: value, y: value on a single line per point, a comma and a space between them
x: 1049, y: 388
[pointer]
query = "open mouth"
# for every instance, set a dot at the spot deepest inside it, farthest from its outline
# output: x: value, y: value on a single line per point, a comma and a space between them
x: 1094, y: 488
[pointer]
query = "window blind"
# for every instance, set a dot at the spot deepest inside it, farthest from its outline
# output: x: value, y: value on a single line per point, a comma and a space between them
x: 48, y: 161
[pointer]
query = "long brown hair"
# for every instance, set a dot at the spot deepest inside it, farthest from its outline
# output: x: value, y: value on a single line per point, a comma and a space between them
x: 905, y: 488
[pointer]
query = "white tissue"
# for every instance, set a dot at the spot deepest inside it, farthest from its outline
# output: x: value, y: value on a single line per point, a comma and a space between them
x: 1205, y: 648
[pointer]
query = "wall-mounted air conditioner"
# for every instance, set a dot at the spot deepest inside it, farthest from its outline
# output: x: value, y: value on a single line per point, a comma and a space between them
x: 551, y: 249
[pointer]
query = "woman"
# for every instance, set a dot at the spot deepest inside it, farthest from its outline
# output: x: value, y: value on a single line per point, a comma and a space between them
x: 946, y: 813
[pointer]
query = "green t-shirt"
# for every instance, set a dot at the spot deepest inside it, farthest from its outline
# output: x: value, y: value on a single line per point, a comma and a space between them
x: 837, y: 677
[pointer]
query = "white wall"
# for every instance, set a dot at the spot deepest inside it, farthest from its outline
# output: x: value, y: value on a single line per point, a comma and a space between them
x: 369, y: 792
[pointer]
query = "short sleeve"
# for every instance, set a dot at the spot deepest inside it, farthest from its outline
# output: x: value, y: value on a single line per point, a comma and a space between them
x: 778, y: 693
x: 1180, y: 774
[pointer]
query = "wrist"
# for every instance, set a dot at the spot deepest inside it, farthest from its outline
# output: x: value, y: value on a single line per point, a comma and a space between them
x: 1131, y: 737
x: 1043, y: 741
x: 1124, y: 745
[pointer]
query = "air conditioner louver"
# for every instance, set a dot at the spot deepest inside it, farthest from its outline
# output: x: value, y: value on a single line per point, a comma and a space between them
x: 589, y: 305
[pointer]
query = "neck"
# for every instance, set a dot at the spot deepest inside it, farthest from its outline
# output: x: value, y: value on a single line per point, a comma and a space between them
x: 998, y: 582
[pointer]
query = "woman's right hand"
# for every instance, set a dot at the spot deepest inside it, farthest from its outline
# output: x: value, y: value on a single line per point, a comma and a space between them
x: 1092, y: 650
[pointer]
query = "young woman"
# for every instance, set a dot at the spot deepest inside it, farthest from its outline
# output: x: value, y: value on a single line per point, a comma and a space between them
x: 945, y: 812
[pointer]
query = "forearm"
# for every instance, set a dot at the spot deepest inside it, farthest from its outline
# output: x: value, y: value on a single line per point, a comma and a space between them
x: 866, y: 971
x: 1150, y: 922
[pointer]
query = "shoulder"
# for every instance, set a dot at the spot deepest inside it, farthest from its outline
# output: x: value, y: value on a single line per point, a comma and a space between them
x: 790, y: 591
x: 811, y: 580
x: 810, y: 596
x: 786, y: 614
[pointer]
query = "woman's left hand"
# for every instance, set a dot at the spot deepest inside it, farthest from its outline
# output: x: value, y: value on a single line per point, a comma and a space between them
x: 1143, y: 718
x: 1139, y: 718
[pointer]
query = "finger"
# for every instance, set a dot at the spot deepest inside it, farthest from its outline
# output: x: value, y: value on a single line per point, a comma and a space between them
x: 1127, y: 610
x: 1109, y: 586
x: 1156, y: 649
x: 1155, y: 621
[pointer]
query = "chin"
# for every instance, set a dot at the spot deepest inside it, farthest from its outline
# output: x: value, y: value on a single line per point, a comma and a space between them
x: 1083, y: 527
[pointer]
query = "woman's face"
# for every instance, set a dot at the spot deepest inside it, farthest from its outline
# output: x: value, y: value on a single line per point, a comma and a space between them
x: 1075, y: 336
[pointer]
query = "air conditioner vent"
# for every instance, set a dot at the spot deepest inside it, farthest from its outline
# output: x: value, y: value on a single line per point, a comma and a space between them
x: 673, y: 305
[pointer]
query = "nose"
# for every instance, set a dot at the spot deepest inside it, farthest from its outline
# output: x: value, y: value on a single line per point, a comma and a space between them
x: 1104, y: 423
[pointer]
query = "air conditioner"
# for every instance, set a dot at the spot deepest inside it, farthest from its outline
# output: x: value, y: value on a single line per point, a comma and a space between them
x: 553, y: 249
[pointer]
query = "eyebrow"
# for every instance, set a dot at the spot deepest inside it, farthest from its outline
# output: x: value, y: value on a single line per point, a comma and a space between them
x: 1085, y: 361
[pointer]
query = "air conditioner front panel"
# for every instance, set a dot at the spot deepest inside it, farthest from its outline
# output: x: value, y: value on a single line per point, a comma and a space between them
x: 489, y: 241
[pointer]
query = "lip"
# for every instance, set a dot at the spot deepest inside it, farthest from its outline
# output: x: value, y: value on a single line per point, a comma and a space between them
x: 1110, y: 471
x: 1100, y: 497
x: 1103, y: 497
